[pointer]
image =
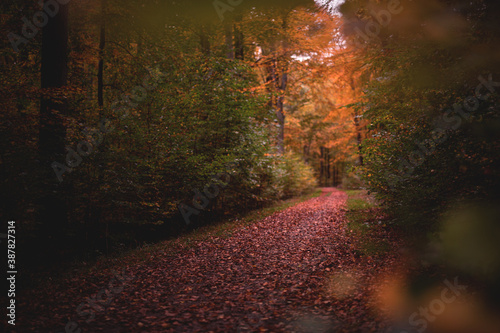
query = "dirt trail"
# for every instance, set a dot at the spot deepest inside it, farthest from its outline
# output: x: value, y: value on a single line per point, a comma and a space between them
x: 294, y: 271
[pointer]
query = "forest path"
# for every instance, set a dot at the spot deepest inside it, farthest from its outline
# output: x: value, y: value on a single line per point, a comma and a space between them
x: 294, y: 271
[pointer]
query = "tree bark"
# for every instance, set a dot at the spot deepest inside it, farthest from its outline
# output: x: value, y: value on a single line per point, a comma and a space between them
x: 229, y: 41
x: 204, y: 42
x: 100, y: 72
x: 280, y: 114
x: 239, y: 48
x: 358, y: 137
x: 52, y: 132
x: 357, y: 126
x: 281, y: 84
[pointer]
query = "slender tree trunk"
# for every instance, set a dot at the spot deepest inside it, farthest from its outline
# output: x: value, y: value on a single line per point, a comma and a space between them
x: 281, y: 86
x: 358, y: 137
x: 52, y: 133
x: 280, y: 114
x: 239, y: 47
x: 276, y: 84
x: 327, y: 162
x: 229, y: 40
x: 321, y: 165
x: 280, y: 108
x: 94, y: 209
x: 100, y: 73
x: 357, y: 126
x: 204, y: 42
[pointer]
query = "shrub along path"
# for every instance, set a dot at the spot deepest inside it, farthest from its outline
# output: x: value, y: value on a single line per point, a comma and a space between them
x: 298, y: 270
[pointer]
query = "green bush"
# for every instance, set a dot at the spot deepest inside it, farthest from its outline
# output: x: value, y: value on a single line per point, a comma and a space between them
x: 295, y: 176
x: 352, y: 180
x: 279, y: 176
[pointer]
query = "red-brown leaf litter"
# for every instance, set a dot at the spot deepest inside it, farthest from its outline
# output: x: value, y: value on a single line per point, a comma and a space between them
x: 298, y: 270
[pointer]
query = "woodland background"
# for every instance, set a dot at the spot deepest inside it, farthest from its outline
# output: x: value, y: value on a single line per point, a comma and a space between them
x: 156, y: 97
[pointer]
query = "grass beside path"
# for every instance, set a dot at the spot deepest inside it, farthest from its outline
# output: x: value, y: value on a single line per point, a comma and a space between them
x: 366, y: 221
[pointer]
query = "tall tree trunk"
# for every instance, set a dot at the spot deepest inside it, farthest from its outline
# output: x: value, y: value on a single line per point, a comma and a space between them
x: 358, y: 137
x: 280, y: 114
x: 280, y: 108
x: 239, y: 48
x: 204, y: 42
x: 276, y: 84
x: 305, y: 153
x: 229, y: 40
x: 281, y: 84
x: 357, y: 126
x: 327, y: 162
x: 321, y: 165
x: 93, y: 216
x: 52, y: 133
x: 100, y: 72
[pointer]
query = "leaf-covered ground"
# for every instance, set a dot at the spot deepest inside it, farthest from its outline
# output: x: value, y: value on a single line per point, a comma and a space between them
x: 298, y: 270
